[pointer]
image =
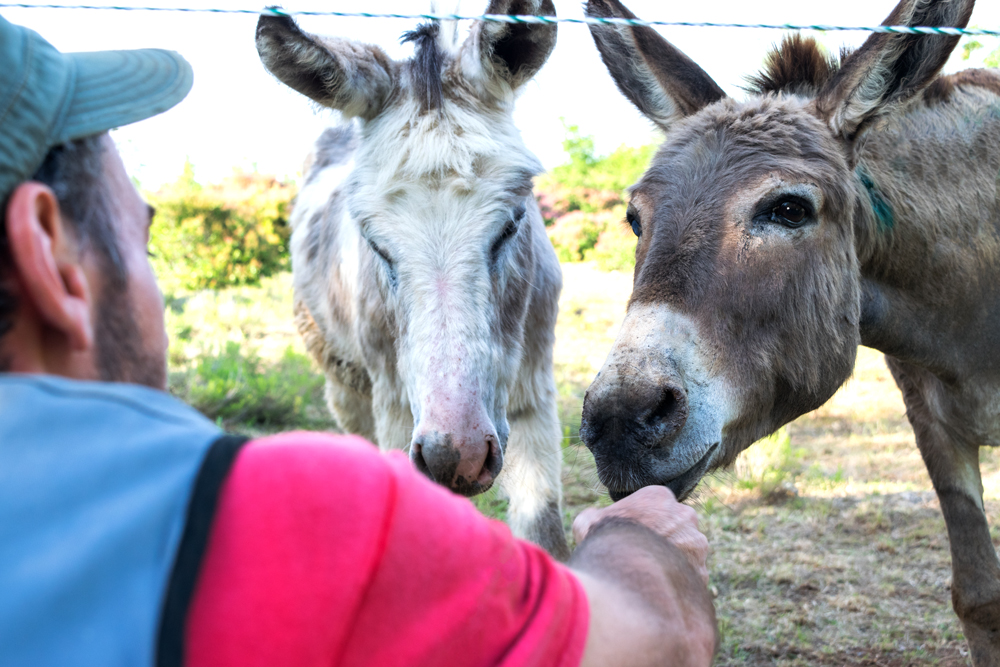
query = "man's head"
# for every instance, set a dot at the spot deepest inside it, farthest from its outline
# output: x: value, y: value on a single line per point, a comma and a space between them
x: 77, y: 294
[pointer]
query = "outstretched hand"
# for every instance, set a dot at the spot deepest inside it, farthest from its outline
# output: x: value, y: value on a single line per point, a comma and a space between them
x: 656, y: 508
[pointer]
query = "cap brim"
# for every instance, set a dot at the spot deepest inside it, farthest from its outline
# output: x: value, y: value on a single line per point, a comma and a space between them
x: 116, y: 88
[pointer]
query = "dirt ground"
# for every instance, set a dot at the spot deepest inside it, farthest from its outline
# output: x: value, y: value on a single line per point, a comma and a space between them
x: 828, y: 546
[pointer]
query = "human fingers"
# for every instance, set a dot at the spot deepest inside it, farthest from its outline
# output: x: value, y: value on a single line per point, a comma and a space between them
x: 655, y: 507
x: 694, y: 545
x: 583, y: 522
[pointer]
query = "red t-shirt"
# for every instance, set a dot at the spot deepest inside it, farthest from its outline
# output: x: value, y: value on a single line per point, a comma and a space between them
x: 325, y: 552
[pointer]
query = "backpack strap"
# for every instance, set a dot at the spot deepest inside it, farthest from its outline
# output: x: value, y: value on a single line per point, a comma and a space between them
x: 187, y: 563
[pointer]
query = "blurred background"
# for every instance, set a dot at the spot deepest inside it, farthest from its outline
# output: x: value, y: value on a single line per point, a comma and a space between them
x: 828, y: 543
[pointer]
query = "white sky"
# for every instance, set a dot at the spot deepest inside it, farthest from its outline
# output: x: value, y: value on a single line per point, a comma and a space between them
x: 237, y: 114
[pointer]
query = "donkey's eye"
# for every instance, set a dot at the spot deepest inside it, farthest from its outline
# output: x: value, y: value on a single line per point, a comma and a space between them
x: 381, y: 253
x: 509, y: 230
x: 633, y: 220
x: 789, y: 213
x: 390, y: 266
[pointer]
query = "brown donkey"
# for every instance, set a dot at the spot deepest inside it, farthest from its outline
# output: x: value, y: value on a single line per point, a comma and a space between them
x: 844, y: 203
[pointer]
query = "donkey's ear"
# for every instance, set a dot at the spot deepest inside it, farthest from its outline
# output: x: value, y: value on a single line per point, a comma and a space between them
x: 661, y: 81
x: 354, y: 78
x: 889, y: 69
x: 510, y: 52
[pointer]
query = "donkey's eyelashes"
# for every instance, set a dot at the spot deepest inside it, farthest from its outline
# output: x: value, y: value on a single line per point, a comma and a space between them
x: 508, y: 232
x: 381, y: 253
x: 632, y: 218
x: 788, y: 211
x: 389, y: 264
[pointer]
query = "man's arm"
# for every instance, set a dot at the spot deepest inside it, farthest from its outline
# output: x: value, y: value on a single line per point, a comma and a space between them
x: 642, y: 564
x: 323, y: 551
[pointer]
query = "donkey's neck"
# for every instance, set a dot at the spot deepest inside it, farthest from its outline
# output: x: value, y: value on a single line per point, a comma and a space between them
x: 928, y: 232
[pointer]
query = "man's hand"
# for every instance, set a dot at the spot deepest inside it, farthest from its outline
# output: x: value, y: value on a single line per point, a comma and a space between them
x: 656, y: 508
x: 642, y: 562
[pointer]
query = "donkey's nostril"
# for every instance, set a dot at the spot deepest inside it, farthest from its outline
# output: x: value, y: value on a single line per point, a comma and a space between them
x: 493, y: 463
x: 467, y: 466
x: 417, y: 457
x: 670, y: 407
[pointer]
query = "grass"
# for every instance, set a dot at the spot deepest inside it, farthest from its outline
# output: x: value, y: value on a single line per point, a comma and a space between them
x: 236, y: 357
x: 828, y: 546
x: 237, y: 387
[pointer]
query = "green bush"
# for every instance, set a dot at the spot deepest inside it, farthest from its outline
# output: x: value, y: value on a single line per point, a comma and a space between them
x: 769, y: 465
x: 615, y: 247
x: 236, y: 356
x: 972, y: 44
x: 574, y: 235
x: 586, y: 170
x: 238, y: 387
x: 221, y: 235
x: 583, y: 202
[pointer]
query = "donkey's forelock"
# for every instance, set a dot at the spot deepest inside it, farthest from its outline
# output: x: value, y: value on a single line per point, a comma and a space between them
x: 428, y: 59
x: 459, y: 143
x: 798, y: 66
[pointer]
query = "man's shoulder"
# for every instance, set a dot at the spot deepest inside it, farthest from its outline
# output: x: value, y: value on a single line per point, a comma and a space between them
x: 45, y: 399
x: 326, y: 456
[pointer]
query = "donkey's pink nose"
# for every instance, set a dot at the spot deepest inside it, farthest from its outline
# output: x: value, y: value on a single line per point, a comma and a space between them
x: 468, y: 466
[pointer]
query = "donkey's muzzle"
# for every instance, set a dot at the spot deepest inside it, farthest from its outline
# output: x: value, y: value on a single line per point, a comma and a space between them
x: 635, y: 414
x: 467, y: 467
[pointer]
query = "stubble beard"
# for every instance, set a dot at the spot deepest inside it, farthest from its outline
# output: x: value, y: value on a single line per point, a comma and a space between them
x: 119, y: 346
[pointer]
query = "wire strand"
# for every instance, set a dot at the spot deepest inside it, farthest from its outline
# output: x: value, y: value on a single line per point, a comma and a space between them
x: 529, y: 19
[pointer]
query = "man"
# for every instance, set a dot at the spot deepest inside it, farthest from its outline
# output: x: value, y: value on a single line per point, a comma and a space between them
x: 133, y: 532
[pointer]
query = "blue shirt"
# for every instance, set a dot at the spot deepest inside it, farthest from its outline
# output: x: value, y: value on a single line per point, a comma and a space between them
x: 95, y: 483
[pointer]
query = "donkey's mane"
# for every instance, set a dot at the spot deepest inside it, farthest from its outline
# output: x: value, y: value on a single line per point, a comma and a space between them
x: 427, y: 62
x: 798, y: 66
x: 942, y: 87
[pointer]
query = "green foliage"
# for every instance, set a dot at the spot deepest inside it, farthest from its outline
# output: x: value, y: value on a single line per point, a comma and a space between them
x: 236, y: 357
x: 770, y: 466
x: 588, y: 171
x: 492, y: 503
x: 615, y: 247
x: 971, y: 45
x: 583, y: 202
x: 237, y: 386
x: 221, y: 235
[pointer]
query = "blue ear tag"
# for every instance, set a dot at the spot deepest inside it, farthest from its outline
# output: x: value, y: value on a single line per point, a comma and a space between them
x: 881, y: 208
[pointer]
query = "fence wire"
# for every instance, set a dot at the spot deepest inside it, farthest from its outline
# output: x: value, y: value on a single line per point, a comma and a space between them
x: 529, y: 19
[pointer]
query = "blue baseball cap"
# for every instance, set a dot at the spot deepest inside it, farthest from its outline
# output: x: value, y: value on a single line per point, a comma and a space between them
x: 48, y: 98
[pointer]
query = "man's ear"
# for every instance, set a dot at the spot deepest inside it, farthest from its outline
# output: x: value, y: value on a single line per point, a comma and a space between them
x: 47, y: 266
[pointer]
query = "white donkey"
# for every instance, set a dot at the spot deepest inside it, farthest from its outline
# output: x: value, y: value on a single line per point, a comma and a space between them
x: 425, y: 284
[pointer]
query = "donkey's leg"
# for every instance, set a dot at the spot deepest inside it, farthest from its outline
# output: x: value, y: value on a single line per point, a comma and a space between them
x: 531, y: 478
x: 953, y: 465
x: 351, y: 408
x: 348, y: 389
x: 393, y: 418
